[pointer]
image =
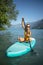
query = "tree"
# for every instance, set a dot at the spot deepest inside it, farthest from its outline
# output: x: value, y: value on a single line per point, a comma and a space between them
x: 7, y: 12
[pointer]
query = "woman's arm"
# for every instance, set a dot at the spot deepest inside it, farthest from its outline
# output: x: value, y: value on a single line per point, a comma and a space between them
x: 23, y: 23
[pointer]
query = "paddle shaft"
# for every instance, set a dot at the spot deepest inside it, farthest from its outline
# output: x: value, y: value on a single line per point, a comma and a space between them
x: 30, y: 46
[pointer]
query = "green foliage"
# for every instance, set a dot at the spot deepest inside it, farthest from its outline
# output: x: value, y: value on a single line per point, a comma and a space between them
x: 7, y: 12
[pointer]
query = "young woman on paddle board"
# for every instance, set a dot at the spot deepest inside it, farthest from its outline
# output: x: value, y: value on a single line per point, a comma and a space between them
x: 27, y: 32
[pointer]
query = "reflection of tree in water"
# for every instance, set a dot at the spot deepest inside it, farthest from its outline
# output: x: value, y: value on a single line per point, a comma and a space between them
x: 6, y: 40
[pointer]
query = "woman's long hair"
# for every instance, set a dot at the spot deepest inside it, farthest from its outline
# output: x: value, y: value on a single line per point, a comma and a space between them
x: 27, y: 25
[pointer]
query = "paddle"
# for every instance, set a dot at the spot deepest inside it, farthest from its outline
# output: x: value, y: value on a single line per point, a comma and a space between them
x: 34, y: 52
x: 31, y: 47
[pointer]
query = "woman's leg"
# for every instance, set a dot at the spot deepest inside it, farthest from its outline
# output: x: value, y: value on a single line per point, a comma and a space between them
x: 21, y: 39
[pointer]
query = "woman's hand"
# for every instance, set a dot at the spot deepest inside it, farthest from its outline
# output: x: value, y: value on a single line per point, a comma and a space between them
x: 23, y: 23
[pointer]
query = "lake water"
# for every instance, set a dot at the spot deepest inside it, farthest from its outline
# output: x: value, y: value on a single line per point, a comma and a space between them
x: 8, y: 37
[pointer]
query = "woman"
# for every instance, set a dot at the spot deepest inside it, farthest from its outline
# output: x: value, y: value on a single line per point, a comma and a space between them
x: 27, y: 32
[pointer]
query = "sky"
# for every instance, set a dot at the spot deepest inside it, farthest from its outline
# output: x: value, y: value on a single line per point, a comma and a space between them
x: 31, y: 10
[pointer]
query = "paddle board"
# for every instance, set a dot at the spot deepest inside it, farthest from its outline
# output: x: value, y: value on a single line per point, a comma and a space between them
x: 20, y: 48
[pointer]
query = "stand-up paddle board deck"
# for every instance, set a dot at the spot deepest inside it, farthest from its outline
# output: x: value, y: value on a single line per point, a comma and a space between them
x: 20, y: 48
